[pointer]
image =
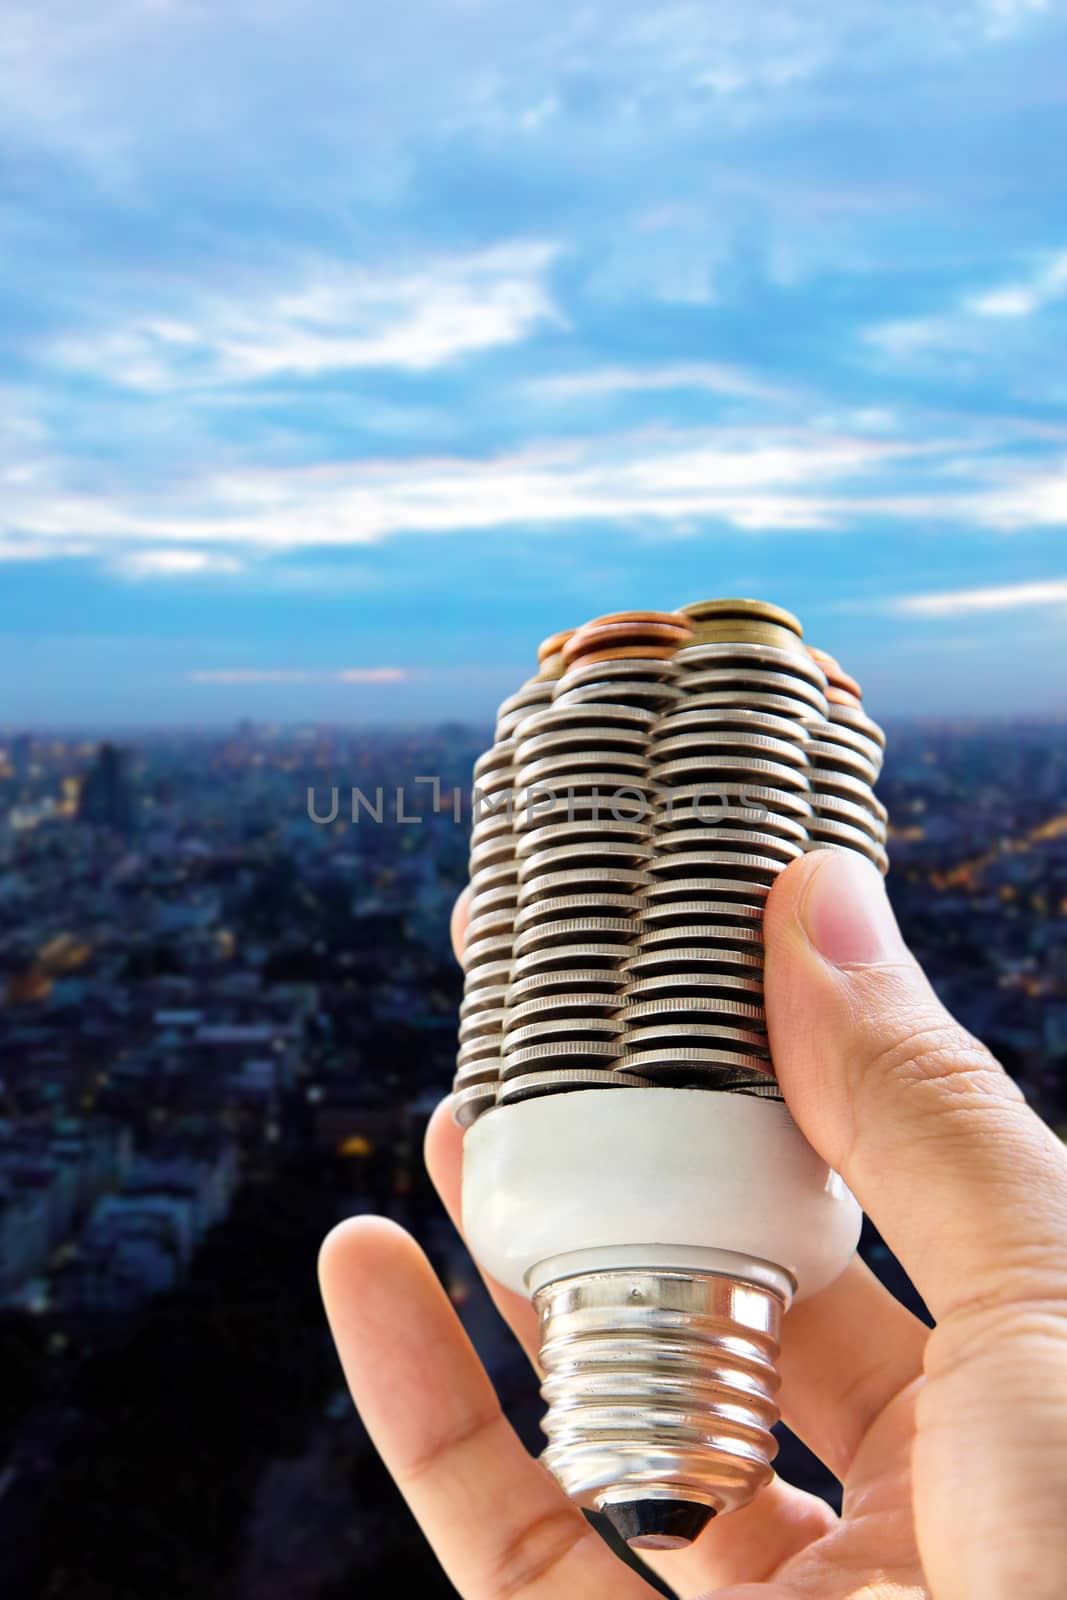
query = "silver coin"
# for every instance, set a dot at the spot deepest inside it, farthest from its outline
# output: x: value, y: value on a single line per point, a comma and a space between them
x: 549, y: 884
x: 638, y: 671
x: 497, y: 920
x: 841, y: 810
x: 565, y: 1079
x: 482, y: 1051
x: 575, y: 930
x: 533, y: 1058
x: 492, y: 781
x: 856, y: 718
x: 494, y: 948
x: 498, y: 755
x: 724, y: 863
x: 477, y: 1072
x: 576, y: 1003
x: 697, y: 958
x: 764, y: 657
x: 831, y: 755
x: 584, y: 832
x: 469, y: 1104
x: 696, y: 946
x: 786, y: 706
x: 669, y: 746
x: 566, y: 811
x: 658, y: 943
x: 584, y: 734
x: 600, y: 903
x: 677, y: 830
x: 687, y: 840
x: 488, y: 997
x: 501, y: 875
x: 827, y: 832
x: 527, y: 694
x: 488, y: 973
x: 717, y: 1069
x: 652, y: 1006
x: 730, y: 987
x: 490, y: 852
x: 482, y: 1024
x: 749, y: 891
x: 571, y: 1032
x: 843, y: 737
x: 490, y: 825
x: 483, y: 900
x: 553, y: 957
x: 639, y: 694
x: 579, y: 734
x: 592, y: 854
x: 858, y: 790
x: 756, y: 796
x: 536, y: 985
x: 699, y: 714
x: 664, y: 919
x: 570, y: 769
x: 716, y: 769
x: 748, y: 680
x: 543, y: 1057
x: 565, y: 712
x: 579, y: 780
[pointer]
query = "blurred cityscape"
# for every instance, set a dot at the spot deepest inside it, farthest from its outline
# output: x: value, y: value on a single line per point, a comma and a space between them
x: 224, y: 1026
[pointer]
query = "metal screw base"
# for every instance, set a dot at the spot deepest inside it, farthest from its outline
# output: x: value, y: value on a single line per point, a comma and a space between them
x: 660, y: 1388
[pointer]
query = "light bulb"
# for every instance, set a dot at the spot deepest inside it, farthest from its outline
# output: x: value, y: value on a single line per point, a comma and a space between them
x: 641, y: 796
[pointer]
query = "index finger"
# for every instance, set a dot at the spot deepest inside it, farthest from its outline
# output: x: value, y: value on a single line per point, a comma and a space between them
x: 499, y: 1524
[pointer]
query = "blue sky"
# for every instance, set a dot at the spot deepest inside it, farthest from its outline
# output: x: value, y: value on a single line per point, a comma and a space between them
x: 347, y: 349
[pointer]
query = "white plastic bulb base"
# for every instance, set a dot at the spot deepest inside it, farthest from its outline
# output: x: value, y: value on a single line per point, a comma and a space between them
x: 661, y: 1233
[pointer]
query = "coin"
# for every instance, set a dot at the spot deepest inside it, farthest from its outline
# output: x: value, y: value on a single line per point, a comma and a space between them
x: 468, y: 1104
x: 745, y: 610
x: 563, y: 1079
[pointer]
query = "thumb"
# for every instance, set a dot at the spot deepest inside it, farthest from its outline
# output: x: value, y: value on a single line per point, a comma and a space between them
x: 965, y: 1183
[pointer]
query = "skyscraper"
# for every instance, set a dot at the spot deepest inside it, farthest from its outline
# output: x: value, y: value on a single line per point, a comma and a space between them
x: 106, y: 798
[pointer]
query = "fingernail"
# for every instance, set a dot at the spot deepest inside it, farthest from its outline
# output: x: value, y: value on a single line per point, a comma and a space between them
x: 846, y: 912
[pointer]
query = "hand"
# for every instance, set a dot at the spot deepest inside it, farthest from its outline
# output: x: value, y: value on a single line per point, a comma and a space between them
x: 951, y: 1444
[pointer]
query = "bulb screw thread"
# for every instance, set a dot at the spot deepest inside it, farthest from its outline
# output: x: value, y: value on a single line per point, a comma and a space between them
x: 661, y: 1389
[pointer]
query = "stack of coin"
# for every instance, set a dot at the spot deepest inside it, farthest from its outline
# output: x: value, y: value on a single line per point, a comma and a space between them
x: 583, y: 808
x: 487, y: 953
x: 846, y: 754
x: 730, y: 761
x: 642, y: 793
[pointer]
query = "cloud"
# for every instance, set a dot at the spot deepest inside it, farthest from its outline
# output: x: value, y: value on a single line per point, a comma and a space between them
x: 1023, y: 299
x: 749, y: 478
x: 19, y: 549
x: 967, y: 602
x: 332, y: 317
x: 1006, y: 16
x: 964, y: 326
x: 1039, y: 500
x: 176, y: 563
x: 712, y: 377
x: 251, y: 675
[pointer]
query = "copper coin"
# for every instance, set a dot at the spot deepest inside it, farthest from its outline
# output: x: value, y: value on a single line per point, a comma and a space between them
x: 600, y: 636
x: 554, y: 643
x: 673, y: 618
x: 634, y: 652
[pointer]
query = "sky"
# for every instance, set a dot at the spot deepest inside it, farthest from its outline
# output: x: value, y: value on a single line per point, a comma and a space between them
x: 346, y: 350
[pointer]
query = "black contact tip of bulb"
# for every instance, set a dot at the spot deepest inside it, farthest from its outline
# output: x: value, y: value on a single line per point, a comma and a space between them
x: 658, y: 1524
